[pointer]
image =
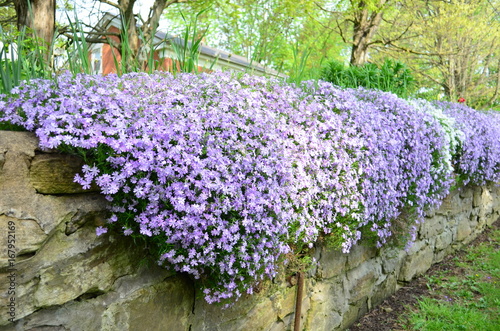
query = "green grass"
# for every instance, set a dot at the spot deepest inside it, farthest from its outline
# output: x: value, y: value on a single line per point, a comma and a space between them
x: 465, y: 300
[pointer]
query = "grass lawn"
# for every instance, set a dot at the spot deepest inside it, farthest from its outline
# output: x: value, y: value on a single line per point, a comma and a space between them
x: 460, y: 293
x: 462, y: 298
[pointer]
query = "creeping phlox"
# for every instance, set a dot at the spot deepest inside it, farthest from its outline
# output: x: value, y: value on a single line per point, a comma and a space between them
x: 224, y: 173
x: 477, y: 159
x: 405, y: 155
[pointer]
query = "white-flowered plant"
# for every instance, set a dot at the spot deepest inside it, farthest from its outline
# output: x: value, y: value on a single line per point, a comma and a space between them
x: 453, y: 136
x: 477, y: 158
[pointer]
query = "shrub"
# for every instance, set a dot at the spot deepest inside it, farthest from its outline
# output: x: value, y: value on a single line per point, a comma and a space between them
x: 391, y: 76
x: 222, y: 174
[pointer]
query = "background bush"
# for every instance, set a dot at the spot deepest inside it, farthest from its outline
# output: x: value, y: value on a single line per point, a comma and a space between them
x: 391, y: 76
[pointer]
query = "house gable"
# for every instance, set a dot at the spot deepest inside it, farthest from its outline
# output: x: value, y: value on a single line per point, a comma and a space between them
x: 209, y: 58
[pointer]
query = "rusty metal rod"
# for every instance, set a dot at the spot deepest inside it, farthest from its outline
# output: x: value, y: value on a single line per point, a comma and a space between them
x: 298, y: 303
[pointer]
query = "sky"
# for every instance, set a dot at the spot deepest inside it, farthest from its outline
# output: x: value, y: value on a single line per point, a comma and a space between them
x: 143, y: 6
x: 88, y: 10
x: 85, y: 7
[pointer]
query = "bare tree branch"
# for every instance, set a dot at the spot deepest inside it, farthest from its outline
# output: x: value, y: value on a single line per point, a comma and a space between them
x: 412, y: 51
x: 11, y: 19
x: 95, y: 40
x: 154, y: 16
x: 327, y: 10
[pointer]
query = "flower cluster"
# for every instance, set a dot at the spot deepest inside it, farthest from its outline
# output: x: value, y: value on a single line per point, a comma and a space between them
x: 223, y: 174
x: 477, y: 159
x: 406, y: 153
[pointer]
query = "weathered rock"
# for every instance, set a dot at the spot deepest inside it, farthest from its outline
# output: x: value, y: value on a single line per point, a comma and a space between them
x: 27, y: 238
x: 433, y: 228
x: 443, y: 240
x: 419, y: 263
x: 68, y: 267
x: 332, y: 263
x: 360, y: 254
x: 353, y: 313
x: 390, y: 258
x: 361, y: 280
x: 477, y: 199
x: 463, y: 229
x: 466, y: 193
x: 2, y: 158
x: 383, y: 290
x: 486, y: 207
x: 451, y: 204
x: 163, y: 306
x: 67, y: 278
x: 55, y: 173
x: 80, y: 218
x: 328, y: 302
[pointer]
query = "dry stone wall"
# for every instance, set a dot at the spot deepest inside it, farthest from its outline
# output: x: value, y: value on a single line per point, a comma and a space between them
x: 60, y: 276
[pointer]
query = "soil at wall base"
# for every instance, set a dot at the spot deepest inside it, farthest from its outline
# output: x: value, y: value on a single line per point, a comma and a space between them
x: 385, y: 316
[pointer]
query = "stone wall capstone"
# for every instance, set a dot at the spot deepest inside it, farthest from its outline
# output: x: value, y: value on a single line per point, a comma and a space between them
x: 64, y: 277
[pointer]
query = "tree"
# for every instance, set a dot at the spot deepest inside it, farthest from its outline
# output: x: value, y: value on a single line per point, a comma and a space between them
x: 38, y: 15
x: 366, y: 20
x: 357, y: 22
x: 254, y: 29
x: 268, y: 32
x: 453, y: 47
x: 7, y: 13
x: 136, y: 33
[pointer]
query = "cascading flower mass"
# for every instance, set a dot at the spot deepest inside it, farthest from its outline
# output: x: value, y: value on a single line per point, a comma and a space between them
x: 223, y: 173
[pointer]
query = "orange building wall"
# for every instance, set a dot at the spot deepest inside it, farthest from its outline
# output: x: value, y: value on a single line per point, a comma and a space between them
x: 111, y: 54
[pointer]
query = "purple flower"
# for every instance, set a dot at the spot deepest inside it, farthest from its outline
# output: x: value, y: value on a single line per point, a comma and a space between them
x: 224, y: 173
x: 100, y: 230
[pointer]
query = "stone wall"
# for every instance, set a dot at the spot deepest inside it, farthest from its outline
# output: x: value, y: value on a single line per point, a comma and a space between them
x: 63, y: 277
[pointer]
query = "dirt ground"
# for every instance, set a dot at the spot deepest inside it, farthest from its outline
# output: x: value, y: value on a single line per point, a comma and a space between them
x: 385, y: 316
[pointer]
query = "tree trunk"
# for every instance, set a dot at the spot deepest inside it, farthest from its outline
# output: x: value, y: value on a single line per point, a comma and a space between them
x: 129, y: 25
x: 365, y: 24
x: 359, y: 52
x: 136, y: 46
x: 40, y: 16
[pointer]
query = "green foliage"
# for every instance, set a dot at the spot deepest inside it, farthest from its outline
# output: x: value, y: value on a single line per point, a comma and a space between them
x: 10, y: 127
x: 187, y: 49
x: 450, y: 46
x: 391, y: 76
x: 439, y: 315
x: 347, y: 227
x: 131, y: 62
x: 266, y: 32
x: 7, y: 16
x: 21, y: 58
x: 299, y: 71
x: 78, y: 52
x: 464, y: 301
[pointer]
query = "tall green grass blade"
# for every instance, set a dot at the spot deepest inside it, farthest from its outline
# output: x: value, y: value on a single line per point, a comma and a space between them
x: 78, y: 56
x: 298, y: 72
x: 187, y: 50
x: 391, y: 76
x: 21, y: 58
